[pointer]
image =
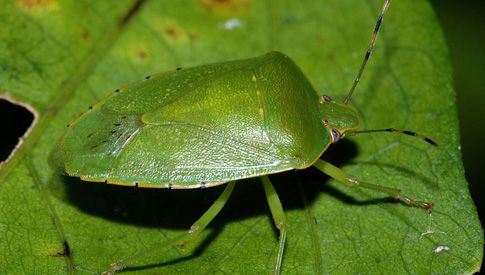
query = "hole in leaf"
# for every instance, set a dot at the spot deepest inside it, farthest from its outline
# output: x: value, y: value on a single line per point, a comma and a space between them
x: 16, y: 120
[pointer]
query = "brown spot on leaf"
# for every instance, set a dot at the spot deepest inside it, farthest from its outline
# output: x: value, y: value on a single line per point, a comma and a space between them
x: 141, y: 54
x: 64, y: 252
x: 226, y: 7
x: 37, y: 5
x: 181, y: 245
x: 174, y: 33
x: 86, y: 35
x: 171, y: 31
x: 192, y: 36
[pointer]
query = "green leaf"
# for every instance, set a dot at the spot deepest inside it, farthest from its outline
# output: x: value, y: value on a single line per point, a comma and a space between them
x: 62, y: 56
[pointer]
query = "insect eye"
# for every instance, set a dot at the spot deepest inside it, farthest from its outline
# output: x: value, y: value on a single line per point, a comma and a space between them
x: 335, y: 135
x: 325, y: 98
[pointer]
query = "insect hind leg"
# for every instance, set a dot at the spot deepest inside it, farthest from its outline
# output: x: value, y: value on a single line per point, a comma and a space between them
x: 193, y: 232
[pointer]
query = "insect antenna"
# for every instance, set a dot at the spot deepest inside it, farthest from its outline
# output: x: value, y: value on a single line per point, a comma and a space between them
x: 369, y: 50
x: 400, y: 131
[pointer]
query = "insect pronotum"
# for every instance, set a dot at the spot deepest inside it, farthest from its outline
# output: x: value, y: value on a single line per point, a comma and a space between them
x: 216, y: 124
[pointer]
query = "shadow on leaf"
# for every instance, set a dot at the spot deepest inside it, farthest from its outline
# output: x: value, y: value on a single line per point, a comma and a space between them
x: 178, y: 209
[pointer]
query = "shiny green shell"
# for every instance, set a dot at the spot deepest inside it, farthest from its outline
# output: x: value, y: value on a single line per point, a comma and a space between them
x: 199, y: 127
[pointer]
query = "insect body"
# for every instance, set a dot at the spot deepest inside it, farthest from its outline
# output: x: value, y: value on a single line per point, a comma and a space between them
x: 205, y: 126
x: 215, y: 124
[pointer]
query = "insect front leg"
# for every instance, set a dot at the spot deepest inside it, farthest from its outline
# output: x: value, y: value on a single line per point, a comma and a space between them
x: 278, y: 217
x: 339, y: 175
x: 193, y: 232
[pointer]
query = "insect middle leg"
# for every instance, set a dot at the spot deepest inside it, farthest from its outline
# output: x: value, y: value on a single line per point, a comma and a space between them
x: 194, y: 231
x: 339, y: 175
x: 278, y: 217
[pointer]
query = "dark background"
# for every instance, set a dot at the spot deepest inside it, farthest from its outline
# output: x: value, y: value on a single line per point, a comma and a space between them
x: 463, y: 23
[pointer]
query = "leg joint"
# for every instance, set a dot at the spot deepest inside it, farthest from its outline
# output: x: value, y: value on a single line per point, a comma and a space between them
x: 352, y: 181
x: 195, y: 230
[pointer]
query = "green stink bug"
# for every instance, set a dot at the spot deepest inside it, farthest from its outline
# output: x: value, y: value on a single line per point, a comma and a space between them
x: 213, y: 124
